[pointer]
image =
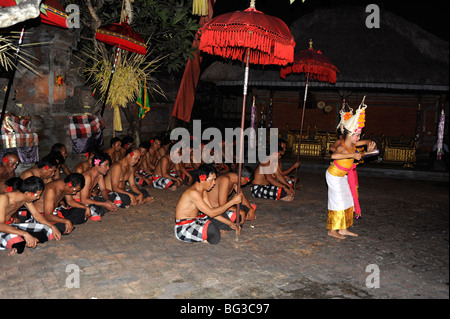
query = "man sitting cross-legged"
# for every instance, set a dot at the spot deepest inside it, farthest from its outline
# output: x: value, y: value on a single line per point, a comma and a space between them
x: 84, y: 165
x: 269, y: 183
x: 45, y: 169
x: 142, y: 172
x: 93, y: 177
x: 121, y: 172
x: 15, y: 235
x: 226, y: 184
x: 167, y: 174
x: 64, y: 217
x: 195, y: 218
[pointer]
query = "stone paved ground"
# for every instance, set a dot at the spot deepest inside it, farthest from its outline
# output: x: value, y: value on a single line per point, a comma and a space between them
x: 284, y: 254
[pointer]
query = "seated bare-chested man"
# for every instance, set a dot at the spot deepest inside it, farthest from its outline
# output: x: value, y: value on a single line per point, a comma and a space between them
x: 122, y: 172
x: 167, y: 174
x: 45, y: 169
x: 285, y: 173
x: 94, y: 177
x: 10, y: 161
x: 15, y: 235
x: 226, y: 184
x: 115, y: 150
x: 64, y: 217
x: 127, y: 143
x: 269, y: 183
x: 84, y: 165
x: 152, y: 157
x: 142, y: 172
x: 195, y: 218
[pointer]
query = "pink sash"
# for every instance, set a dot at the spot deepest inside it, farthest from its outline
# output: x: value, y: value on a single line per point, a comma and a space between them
x: 353, y: 183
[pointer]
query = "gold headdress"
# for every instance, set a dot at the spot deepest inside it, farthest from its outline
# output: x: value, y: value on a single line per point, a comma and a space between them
x: 356, y: 123
x: 344, y: 117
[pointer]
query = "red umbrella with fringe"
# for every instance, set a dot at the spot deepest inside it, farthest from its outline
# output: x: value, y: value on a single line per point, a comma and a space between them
x: 53, y: 13
x: 123, y: 37
x: 315, y: 65
x: 249, y: 36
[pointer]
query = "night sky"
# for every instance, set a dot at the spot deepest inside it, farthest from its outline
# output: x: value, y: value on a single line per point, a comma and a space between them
x: 431, y: 15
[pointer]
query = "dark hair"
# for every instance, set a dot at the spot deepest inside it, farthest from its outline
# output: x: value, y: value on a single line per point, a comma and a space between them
x: 56, y: 148
x: 247, y: 171
x: 165, y: 140
x: 32, y: 184
x: 102, y: 156
x: 9, y: 153
x: 47, y: 160
x: 14, y: 182
x: 204, y: 169
x: 131, y: 150
x: 115, y: 140
x: 76, y: 179
x: 146, y: 145
x: 346, y: 133
x: 58, y: 157
x: 127, y: 140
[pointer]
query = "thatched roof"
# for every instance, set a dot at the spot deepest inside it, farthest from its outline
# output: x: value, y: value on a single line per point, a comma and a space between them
x: 398, y: 55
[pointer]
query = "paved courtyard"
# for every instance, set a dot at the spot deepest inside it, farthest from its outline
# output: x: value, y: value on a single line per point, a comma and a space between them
x: 402, y: 251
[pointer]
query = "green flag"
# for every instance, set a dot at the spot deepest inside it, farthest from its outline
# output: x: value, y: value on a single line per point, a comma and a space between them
x: 143, y: 102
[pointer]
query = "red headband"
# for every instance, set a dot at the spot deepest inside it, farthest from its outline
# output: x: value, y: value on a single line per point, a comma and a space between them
x: 5, y: 159
x: 202, y: 177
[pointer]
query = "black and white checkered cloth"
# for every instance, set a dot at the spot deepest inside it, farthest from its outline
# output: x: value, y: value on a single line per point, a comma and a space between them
x: 266, y: 191
x: 160, y: 182
x: 191, y: 230
x: 29, y: 228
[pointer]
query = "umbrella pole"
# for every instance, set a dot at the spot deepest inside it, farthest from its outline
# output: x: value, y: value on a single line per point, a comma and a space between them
x: 301, y: 128
x: 241, y: 143
x: 11, y: 77
x: 110, y: 80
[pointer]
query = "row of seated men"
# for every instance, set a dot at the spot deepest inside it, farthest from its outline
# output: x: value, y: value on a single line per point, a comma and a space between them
x: 39, y: 204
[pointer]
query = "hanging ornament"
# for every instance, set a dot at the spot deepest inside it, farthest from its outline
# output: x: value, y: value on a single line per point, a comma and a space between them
x: 59, y: 80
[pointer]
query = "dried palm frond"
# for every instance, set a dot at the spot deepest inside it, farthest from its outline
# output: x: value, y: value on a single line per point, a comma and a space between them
x: 132, y: 70
x: 8, y: 52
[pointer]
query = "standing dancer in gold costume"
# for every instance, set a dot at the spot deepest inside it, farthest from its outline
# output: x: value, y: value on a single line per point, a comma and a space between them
x: 341, y: 175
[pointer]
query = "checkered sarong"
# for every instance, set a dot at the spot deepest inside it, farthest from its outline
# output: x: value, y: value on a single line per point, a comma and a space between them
x: 192, y: 230
x: 6, y: 240
x: 202, y: 228
x: 267, y: 191
x: 84, y: 126
x: 160, y: 182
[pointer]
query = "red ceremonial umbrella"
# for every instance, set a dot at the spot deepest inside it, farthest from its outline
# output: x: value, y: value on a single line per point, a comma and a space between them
x: 123, y: 37
x: 314, y: 64
x: 54, y: 13
x: 249, y: 36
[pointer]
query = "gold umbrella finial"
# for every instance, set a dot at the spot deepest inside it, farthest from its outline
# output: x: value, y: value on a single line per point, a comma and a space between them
x: 252, y: 4
x: 310, y: 43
